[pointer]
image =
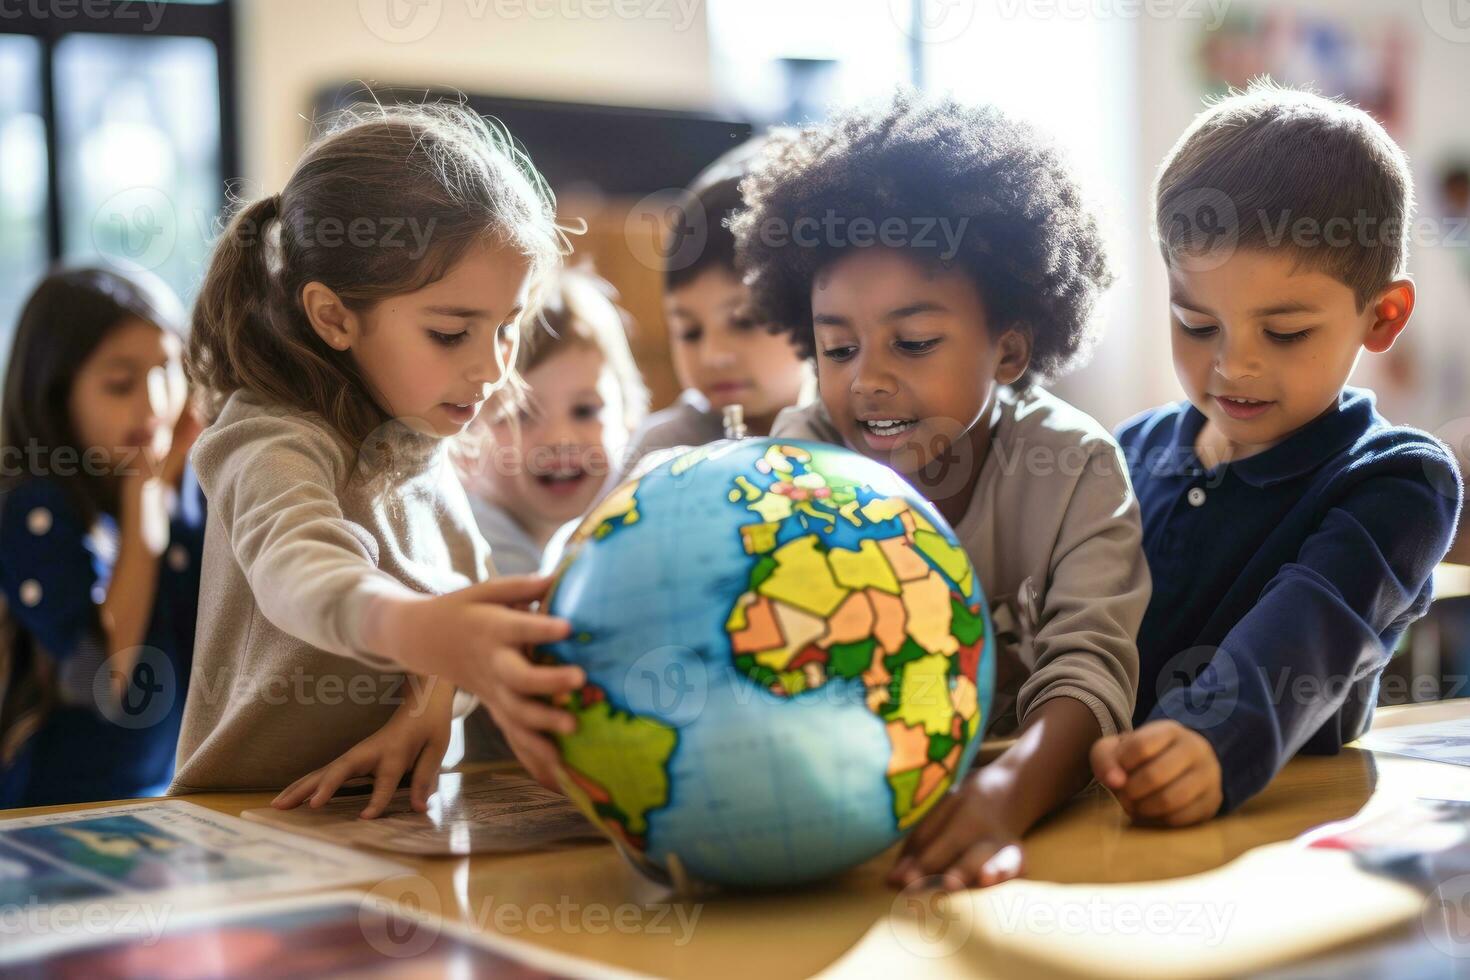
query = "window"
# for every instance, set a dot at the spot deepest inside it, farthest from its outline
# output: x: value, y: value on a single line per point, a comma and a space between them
x: 116, y: 138
x: 781, y: 62
x: 23, y: 187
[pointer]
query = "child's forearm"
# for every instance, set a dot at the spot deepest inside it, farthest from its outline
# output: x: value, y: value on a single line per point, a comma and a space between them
x: 126, y: 610
x: 1046, y: 766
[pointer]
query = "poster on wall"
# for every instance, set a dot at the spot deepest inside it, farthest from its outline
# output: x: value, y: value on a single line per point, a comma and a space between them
x: 1362, y: 58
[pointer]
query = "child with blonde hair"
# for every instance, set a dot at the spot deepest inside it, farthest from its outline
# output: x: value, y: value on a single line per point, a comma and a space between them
x: 552, y: 447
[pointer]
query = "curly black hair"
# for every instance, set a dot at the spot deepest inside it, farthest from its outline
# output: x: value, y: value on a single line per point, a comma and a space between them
x: 1016, y: 221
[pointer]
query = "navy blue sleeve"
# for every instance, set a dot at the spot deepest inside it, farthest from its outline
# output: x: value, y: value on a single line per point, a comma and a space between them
x: 1317, y: 634
x: 52, y: 578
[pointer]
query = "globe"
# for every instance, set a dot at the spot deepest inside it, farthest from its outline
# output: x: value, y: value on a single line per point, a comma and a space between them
x: 788, y: 659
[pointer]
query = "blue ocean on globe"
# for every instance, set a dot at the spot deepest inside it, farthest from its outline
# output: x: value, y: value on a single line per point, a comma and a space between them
x: 789, y: 659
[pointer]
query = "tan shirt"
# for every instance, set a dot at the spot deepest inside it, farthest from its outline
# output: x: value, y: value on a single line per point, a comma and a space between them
x: 689, y: 421
x: 303, y: 531
x: 1053, y: 531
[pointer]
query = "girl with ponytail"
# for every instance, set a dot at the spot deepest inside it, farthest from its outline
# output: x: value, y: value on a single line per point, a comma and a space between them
x: 349, y: 328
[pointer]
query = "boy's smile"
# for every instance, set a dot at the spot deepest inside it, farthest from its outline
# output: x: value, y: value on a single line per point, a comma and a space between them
x: 1263, y: 345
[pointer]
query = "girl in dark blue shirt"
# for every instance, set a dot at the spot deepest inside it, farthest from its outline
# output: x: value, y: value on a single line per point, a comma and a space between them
x: 101, y: 532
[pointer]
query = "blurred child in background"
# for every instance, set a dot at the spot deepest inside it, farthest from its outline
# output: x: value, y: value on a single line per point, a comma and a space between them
x: 551, y: 446
x: 101, y: 534
x: 722, y: 355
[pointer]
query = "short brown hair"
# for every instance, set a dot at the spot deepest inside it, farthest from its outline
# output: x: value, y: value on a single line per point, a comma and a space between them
x: 463, y: 180
x: 1274, y: 167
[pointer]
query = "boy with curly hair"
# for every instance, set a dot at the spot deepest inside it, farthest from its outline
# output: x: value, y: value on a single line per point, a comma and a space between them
x: 937, y: 261
x: 1292, y: 532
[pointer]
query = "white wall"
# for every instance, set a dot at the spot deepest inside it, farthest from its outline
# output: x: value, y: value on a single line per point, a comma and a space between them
x: 290, y: 49
x: 1144, y: 87
x: 1438, y: 125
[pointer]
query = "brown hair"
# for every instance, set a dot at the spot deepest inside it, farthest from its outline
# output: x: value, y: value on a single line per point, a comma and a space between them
x: 1274, y: 167
x: 442, y: 171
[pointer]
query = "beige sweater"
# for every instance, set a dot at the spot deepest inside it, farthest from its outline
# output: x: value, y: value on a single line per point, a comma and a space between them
x: 302, y: 532
x: 1053, y: 530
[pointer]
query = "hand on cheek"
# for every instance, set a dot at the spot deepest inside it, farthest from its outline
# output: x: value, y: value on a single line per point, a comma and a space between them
x: 1161, y: 773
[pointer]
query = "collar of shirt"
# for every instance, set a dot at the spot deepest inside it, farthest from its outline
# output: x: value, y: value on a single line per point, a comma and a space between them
x: 1299, y: 453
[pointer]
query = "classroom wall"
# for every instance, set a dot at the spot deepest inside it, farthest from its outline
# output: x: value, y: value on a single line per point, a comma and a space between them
x: 290, y: 50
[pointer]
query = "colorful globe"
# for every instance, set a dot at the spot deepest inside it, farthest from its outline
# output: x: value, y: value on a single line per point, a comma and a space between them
x: 788, y: 661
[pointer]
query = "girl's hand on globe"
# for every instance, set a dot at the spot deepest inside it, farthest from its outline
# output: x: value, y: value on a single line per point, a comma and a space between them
x: 965, y: 842
x: 533, y: 751
x: 476, y: 638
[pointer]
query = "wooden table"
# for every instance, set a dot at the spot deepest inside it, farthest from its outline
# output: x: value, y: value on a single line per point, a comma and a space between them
x: 584, y: 901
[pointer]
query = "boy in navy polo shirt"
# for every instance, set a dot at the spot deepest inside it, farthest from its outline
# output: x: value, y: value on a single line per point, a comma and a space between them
x: 1290, y: 530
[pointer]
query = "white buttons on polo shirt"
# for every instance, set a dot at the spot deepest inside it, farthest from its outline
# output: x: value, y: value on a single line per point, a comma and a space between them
x: 1196, y: 497
x: 178, y: 558
x: 30, y: 593
x: 38, y: 521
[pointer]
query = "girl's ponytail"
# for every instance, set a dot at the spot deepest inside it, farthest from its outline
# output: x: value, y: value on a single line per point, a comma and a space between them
x: 232, y: 315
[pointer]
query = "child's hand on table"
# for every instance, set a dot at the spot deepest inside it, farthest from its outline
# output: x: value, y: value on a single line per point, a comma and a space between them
x: 416, y: 738
x: 1162, y: 772
x: 966, y: 840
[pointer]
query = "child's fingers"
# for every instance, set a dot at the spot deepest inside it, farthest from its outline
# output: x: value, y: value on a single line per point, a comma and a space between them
x: 1205, y: 806
x: 425, y: 776
x: 1157, y: 773
x: 527, y: 629
x: 932, y: 825
x: 1143, y: 744
x: 523, y: 677
x: 385, y: 783
x: 982, y: 865
x: 536, y: 753
x: 1105, y: 765
x: 333, y: 776
x: 292, y: 795
x: 1177, y: 795
x: 535, y: 715
x: 509, y: 589
x: 952, y: 841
